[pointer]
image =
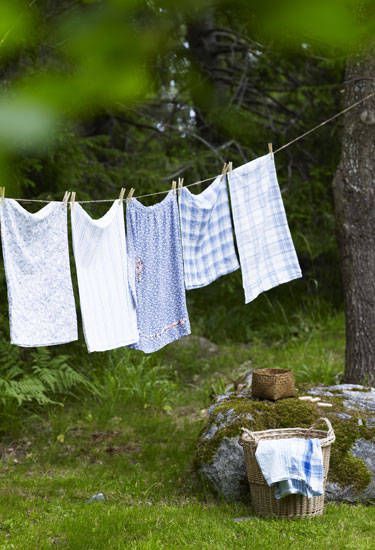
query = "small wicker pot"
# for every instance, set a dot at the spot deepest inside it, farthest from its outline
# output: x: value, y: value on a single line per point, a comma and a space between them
x: 272, y: 384
x: 262, y: 495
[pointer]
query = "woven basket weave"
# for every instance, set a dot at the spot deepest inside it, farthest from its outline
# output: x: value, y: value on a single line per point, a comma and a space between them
x: 272, y: 384
x: 262, y: 496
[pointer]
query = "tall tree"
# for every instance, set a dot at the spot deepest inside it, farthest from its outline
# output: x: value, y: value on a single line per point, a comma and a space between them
x: 354, y: 195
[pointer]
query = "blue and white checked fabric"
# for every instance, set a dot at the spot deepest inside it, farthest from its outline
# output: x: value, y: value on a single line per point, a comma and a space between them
x: 207, y: 234
x: 292, y: 466
x: 265, y: 246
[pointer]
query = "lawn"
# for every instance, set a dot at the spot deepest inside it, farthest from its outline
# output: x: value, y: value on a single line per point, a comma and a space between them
x: 135, y: 444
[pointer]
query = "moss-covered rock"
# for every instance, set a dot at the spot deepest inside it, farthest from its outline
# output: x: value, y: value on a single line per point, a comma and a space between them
x: 220, y: 460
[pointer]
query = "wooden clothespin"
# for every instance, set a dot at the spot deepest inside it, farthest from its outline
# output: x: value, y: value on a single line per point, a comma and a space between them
x: 2, y: 194
x: 227, y: 168
x: 270, y: 148
x: 130, y: 194
x: 121, y: 195
x: 66, y: 197
x: 180, y: 183
x: 72, y: 199
x: 174, y: 185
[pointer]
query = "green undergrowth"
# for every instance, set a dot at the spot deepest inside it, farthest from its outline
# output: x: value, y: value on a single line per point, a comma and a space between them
x: 288, y: 311
x: 136, y: 442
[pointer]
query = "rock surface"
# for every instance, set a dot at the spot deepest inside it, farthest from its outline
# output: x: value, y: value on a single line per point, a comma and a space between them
x: 220, y: 458
x: 355, y: 398
x: 201, y: 344
x: 227, y: 474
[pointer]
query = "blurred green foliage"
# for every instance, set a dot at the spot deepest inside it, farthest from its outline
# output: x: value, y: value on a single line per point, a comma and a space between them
x: 77, y: 58
x: 343, y: 25
x: 16, y: 21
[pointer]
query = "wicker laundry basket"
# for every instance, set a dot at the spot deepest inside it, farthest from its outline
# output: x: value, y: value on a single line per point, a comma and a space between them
x: 262, y: 496
x: 272, y: 384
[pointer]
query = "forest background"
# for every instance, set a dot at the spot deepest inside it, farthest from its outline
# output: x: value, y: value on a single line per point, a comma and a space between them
x: 100, y: 95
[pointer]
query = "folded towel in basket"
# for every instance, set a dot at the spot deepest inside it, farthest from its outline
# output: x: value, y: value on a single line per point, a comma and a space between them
x: 292, y: 466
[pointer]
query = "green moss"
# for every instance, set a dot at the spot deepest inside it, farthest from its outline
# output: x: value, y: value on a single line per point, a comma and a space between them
x: 344, y: 465
x: 350, y: 467
x: 268, y: 415
x: 259, y: 415
x: 264, y: 415
x: 270, y: 408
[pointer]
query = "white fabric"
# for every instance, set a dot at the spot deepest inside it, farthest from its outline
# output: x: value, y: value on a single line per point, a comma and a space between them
x: 36, y: 259
x: 108, y: 312
x: 265, y: 246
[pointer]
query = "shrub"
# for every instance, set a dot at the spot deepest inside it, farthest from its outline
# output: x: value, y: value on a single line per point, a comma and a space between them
x: 36, y: 376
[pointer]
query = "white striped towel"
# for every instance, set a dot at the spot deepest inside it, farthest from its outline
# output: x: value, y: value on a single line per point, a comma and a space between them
x: 108, y: 311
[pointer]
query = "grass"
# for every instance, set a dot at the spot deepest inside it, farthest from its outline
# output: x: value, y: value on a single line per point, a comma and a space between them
x: 188, y: 525
x: 137, y: 449
x: 315, y: 355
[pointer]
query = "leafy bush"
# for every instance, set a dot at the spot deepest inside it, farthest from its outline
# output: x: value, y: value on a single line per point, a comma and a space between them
x: 37, y: 376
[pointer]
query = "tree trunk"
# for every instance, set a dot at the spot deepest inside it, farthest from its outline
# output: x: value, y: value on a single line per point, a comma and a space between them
x: 354, y: 196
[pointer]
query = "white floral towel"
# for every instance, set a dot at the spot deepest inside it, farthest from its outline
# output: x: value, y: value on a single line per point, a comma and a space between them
x: 36, y: 257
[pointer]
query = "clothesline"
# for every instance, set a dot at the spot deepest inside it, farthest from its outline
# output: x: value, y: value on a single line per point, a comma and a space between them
x: 281, y: 148
x: 133, y: 270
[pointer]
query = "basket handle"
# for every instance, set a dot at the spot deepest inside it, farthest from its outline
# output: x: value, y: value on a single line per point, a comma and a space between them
x: 255, y: 439
x: 249, y: 434
x: 330, y: 432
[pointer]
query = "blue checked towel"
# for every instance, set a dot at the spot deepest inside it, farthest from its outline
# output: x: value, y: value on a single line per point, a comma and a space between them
x: 207, y: 234
x: 265, y: 246
x: 292, y: 466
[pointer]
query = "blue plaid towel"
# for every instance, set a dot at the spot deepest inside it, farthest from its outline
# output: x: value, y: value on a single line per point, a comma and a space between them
x: 265, y: 246
x: 207, y: 234
x: 292, y: 466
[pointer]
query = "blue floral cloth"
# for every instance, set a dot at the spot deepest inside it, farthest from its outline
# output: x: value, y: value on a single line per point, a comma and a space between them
x: 156, y: 272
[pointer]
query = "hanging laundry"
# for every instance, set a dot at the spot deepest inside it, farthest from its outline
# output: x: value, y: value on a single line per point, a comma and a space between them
x: 36, y: 260
x: 108, y: 310
x: 207, y: 234
x: 156, y: 272
x: 265, y: 246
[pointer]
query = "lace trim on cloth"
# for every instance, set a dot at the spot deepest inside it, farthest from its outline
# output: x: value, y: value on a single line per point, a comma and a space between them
x: 156, y: 335
x: 138, y: 269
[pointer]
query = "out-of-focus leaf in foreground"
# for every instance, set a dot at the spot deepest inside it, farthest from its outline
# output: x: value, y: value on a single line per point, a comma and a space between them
x: 16, y: 20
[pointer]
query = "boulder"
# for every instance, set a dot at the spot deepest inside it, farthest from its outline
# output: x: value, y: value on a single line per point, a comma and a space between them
x: 358, y: 402
x: 220, y: 460
x: 202, y: 345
